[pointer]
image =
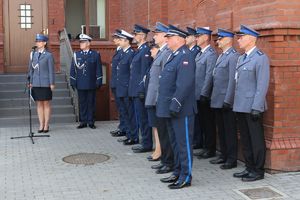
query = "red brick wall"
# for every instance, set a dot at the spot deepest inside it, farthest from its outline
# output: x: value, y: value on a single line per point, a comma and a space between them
x: 278, y: 22
x: 56, y: 22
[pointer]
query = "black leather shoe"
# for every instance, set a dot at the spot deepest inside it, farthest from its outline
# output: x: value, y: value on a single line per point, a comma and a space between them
x: 158, y: 166
x: 207, y: 154
x: 170, y: 179
x: 197, y: 146
x: 218, y: 160
x: 82, y: 126
x: 122, y: 139
x: 164, y: 170
x: 241, y: 174
x: 228, y: 165
x: 92, y: 126
x: 252, y: 176
x: 136, y: 147
x: 130, y: 142
x: 200, y: 152
x: 40, y: 131
x: 119, y: 134
x: 178, y: 185
x: 141, y: 149
x: 115, y: 131
x: 154, y: 159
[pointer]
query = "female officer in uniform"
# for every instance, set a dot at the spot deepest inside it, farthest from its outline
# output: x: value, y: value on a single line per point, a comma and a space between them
x: 42, y: 78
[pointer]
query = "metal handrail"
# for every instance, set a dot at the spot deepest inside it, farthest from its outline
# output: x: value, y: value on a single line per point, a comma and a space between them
x: 66, y: 53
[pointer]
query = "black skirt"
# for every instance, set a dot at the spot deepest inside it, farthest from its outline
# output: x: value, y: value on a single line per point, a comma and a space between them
x: 41, y: 93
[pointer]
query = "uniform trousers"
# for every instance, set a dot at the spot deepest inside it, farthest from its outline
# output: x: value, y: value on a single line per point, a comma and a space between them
x: 253, y: 142
x: 141, y: 122
x: 167, y: 156
x: 122, y: 124
x: 227, y: 132
x: 87, y: 106
x: 207, y: 122
x: 181, y: 130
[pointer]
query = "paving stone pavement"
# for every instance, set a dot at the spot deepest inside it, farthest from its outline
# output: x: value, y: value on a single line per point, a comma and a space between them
x: 37, y: 171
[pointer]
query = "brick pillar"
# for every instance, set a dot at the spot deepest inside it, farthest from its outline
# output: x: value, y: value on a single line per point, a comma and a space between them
x: 282, y: 120
x: 56, y: 22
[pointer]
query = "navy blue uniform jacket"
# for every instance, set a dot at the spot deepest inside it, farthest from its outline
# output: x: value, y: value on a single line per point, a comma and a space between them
x: 177, y: 85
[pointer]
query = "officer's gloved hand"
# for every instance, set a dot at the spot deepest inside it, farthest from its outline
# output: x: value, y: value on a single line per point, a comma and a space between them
x: 255, y: 115
x: 173, y: 113
x: 226, y: 106
x: 204, y: 99
x: 141, y: 95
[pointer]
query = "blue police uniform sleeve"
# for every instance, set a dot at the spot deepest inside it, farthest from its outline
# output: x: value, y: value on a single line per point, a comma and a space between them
x: 231, y: 82
x: 263, y: 77
x: 185, y: 80
x: 210, y: 64
x: 145, y: 65
x: 99, y: 71
x: 73, y: 74
x: 51, y: 69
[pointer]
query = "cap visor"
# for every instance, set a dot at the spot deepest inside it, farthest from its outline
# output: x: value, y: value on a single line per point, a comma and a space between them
x: 240, y: 33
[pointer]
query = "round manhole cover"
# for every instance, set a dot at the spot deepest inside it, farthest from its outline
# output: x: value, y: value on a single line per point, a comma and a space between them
x: 86, y: 158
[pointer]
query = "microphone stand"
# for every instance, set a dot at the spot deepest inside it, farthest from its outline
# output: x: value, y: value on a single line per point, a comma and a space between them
x: 31, y: 133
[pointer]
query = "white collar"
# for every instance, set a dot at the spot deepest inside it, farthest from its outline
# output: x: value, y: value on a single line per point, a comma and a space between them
x: 41, y: 51
x: 204, y: 49
x: 226, y: 50
x: 141, y: 45
x: 165, y: 44
x: 192, y: 47
x: 250, y: 51
x: 124, y: 50
x: 118, y: 48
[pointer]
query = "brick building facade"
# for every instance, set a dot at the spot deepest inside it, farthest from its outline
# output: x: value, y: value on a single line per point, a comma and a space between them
x: 276, y: 20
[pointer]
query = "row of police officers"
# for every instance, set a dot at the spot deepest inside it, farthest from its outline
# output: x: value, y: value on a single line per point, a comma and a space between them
x: 188, y: 91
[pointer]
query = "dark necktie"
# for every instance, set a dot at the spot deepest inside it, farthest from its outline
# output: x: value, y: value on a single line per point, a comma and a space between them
x: 245, y: 56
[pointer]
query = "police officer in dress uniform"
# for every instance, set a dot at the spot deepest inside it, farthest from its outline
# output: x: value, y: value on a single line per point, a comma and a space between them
x: 41, y: 79
x: 121, y: 131
x: 195, y: 49
x: 191, y: 42
x: 252, y: 81
x: 177, y: 104
x: 205, y: 63
x: 140, y: 65
x: 222, y: 100
x: 86, y: 76
x: 122, y: 83
x: 167, y: 158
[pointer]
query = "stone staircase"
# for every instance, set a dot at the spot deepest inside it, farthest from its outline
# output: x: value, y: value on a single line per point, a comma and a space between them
x: 14, y: 102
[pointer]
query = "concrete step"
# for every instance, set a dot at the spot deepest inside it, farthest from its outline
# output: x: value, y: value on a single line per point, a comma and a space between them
x: 18, y: 102
x: 24, y: 110
x: 20, y: 94
x: 24, y: 120
x: 22, y: 78
x: 11, y: 86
